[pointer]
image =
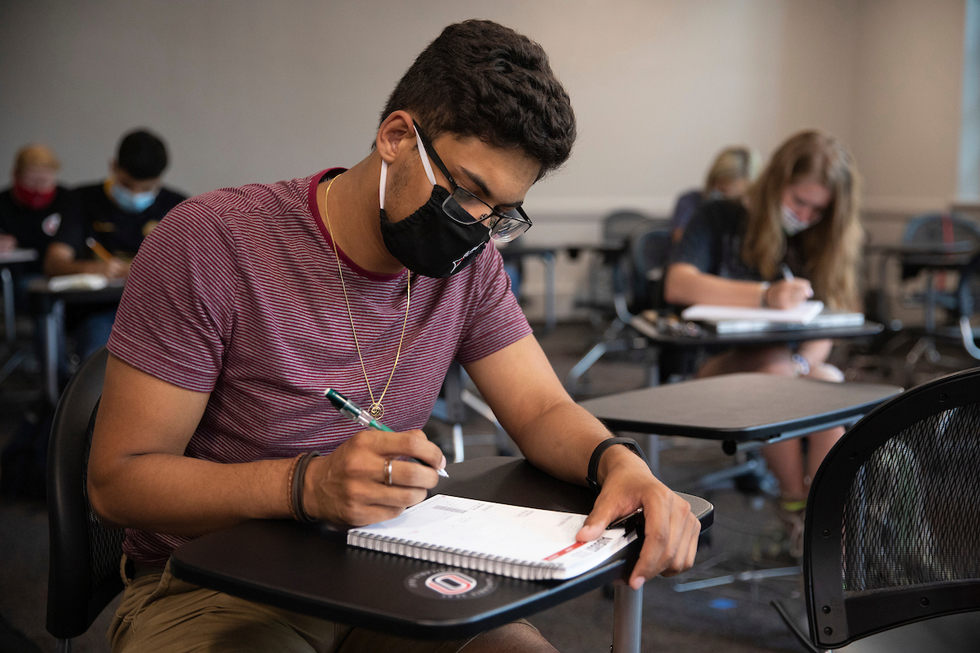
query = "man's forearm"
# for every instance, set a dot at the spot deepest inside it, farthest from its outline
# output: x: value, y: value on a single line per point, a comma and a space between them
x: 178, y: 495
x: 560, y: 441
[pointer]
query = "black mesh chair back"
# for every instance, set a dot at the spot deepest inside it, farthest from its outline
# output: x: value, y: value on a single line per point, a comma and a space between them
x: 893, y: 520
x: 83, y: 575
x: 619, y: 226
x: 649, y: 254
x: 938, y: 228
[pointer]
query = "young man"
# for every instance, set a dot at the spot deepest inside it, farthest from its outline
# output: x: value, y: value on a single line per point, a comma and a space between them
x: 246, y: 303
x: 116, y: 215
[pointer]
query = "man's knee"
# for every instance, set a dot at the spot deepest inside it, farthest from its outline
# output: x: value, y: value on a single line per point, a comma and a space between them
x: 517, y: 637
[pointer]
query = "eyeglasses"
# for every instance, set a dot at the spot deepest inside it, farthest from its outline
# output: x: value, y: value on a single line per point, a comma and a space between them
x: 466, y: 208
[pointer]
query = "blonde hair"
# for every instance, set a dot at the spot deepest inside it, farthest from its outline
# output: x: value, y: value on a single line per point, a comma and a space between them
x: 832, y: 246
x: 732, y: 164
x: 35, y: 155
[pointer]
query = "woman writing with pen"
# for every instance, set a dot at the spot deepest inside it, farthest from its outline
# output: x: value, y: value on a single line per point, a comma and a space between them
x: 794, y: 236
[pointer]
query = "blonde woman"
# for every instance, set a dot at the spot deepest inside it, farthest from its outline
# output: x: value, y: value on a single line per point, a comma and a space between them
x: 730, y: 175
x: 802, y: 213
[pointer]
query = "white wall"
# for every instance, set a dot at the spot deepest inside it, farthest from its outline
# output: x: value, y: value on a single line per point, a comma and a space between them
x: 907, y: 116
x: 247, y: 91
x: 263, y: 90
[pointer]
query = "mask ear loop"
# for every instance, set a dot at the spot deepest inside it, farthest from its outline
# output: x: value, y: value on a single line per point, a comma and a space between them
x: 425, y: 164
x: 425, y: 159
x: 384, y: 178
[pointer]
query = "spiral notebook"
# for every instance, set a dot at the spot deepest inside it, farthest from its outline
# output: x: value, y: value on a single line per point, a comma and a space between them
x: 526, y: 543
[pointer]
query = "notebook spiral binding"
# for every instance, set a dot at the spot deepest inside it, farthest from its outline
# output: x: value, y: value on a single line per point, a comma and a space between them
x: 514, y: 568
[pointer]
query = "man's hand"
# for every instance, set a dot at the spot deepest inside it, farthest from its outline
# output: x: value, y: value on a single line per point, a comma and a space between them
x: 788, y: 293
x: 115, y: 268
x: 671, y: 529
x: 350, y: 485
x: 7, y: 243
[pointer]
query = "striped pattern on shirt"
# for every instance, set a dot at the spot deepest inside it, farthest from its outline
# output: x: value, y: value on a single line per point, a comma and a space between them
x: 236, y: 293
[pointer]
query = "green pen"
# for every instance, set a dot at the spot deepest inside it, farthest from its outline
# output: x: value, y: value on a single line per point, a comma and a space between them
x: 352, y: 410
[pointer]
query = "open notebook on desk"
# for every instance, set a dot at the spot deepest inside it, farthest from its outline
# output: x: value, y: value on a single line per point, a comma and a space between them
x: 526, y: 543
x: 738, y: 319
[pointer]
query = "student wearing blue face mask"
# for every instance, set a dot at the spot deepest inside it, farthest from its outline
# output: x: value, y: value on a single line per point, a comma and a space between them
x: 117, y: 214
x: 801, y: 215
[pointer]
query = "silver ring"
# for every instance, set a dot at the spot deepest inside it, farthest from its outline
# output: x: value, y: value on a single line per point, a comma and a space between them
x: 388, y: 471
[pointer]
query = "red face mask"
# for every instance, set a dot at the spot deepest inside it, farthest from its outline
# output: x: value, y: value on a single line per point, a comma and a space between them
x: 33, y: 199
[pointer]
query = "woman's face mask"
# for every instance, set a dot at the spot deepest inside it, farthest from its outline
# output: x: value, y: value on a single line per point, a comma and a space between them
x: 429, y: 242
x: 803, y: 205
x: 792, y: 223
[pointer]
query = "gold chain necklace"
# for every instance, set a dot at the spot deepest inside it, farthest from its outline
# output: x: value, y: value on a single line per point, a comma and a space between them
x: 376, y: 409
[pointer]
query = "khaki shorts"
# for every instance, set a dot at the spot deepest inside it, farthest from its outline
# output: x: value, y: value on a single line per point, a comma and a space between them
x: 161, y: 613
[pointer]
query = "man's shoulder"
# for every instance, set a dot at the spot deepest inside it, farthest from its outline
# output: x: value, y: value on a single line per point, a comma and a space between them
x: 238, y: 210
x: 171, y: 196
x: 251, y: 198
x: 89, y: 199
x: 87, y: 190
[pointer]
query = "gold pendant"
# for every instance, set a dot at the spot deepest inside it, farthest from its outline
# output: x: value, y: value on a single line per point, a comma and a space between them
x: 377, y: 410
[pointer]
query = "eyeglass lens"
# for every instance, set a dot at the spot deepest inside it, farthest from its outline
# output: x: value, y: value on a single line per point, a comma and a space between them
x: 462, y: 207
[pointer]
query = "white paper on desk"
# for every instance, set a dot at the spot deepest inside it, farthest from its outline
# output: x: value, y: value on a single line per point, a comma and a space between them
x: 77, y: 282
x: 493, y: 537
x: 802, y: 314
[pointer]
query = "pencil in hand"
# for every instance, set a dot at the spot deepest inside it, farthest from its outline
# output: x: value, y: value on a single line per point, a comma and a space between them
x: 99, y: 250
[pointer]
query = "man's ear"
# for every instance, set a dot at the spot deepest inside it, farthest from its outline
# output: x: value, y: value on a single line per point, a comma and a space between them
x: 395, y: 134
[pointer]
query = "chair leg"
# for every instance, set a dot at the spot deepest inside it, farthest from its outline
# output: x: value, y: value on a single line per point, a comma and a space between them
x: 63, y: 646
x: 627, y: 619
x: 966, y: 331
x: 783, y: 608
x: 458, y: 454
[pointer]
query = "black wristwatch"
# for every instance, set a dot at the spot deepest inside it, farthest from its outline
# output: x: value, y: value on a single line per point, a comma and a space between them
x: 597, y: 455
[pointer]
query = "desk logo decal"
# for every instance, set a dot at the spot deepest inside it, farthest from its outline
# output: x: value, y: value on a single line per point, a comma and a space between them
x: 449, y: 584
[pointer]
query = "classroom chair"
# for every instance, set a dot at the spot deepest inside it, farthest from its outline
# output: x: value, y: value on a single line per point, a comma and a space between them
x: 892, y: 537
x: 451, y: 408
x: 83, y: 570
x: 606, y: 274
x: 637, y: 287
x: 932, y: 228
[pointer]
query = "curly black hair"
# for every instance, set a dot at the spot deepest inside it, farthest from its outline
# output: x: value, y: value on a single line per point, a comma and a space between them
x: 142, y: 155
x: 481, y: 79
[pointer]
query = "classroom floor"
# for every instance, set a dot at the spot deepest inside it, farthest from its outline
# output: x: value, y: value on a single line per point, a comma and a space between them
x: 746, y: 535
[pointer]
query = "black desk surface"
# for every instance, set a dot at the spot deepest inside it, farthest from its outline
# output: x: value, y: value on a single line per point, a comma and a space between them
x: 18, y: 256
x: 707, y: 338
x: 737, y: 407
x: 310, y: 569
x: 42, y: 297
x: 910, y: 249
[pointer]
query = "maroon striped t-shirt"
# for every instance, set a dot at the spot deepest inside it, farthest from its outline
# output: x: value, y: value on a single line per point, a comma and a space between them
x: 236, y: 292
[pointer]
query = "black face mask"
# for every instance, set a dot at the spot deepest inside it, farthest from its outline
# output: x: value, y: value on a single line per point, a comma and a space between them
x: 430, y: 243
